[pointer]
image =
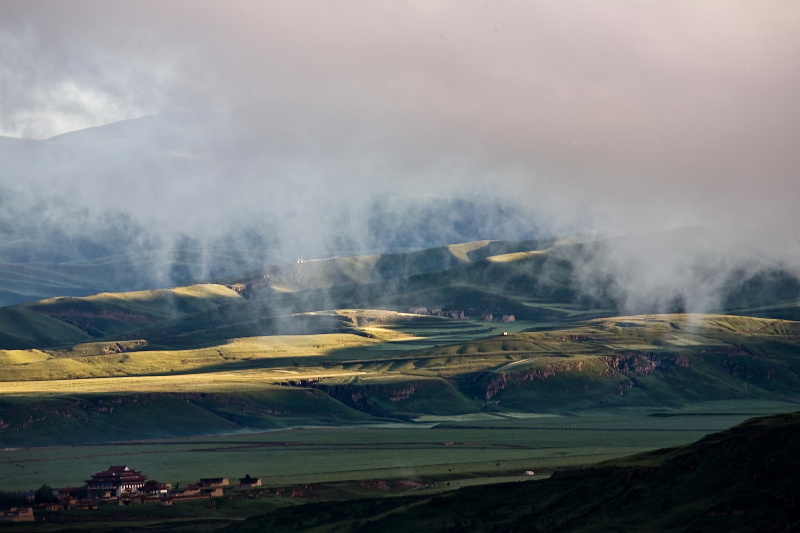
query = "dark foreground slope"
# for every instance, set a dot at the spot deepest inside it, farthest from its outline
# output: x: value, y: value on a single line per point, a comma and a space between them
x: 744, y: 479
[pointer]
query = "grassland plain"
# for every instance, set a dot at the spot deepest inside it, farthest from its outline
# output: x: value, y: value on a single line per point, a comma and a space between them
x: 436, y: 448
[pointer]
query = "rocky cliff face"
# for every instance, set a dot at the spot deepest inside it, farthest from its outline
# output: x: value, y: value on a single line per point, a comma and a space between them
x: 367, y: 397
x: 499, y: 382
x: 624, y: 368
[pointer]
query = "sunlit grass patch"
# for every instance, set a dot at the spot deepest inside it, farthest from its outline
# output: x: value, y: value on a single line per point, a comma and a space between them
x: 234, y: 380
x: 132, y: 357
x: 22, y: 357
x: 462, y: 251
x: 516, y: 256
x: 294, y: 345
x: 388, y: 334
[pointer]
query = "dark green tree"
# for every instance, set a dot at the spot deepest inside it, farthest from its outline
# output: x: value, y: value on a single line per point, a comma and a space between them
x: 11, y: 499
x: 45, y: 494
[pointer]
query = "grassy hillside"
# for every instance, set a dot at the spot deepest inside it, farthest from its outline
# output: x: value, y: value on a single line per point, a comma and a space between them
x: 658, y: 360
x: 96, y: 418
x: 25, y: 281
x: 387, y: 365
x: 68, y: 320
x: 340, y: 330
x: 532, y: 280
x: 23, y: 328
x: 365, y: 280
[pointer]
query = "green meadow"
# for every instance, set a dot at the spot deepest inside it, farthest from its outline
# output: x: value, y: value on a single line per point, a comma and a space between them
x: 433, y: 449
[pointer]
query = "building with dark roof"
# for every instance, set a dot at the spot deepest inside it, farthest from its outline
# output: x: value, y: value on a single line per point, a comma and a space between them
x: 115, y: 481
x: 214, y: 482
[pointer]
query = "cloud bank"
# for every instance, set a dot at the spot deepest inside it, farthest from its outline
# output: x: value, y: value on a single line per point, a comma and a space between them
x: 301, y: 118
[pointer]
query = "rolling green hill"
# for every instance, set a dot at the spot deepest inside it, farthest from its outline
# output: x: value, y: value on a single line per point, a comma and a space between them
x: 110, y: 315
x: 23, y: 328
x: 340, y: 330
x: 463, y: 277
x: 653, y: 360
x: 531, y: 280
x: 82, y: 418
x: 381, y: 365
x: 27, y: 281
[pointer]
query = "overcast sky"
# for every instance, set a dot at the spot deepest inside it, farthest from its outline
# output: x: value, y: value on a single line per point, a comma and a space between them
x: 627, y: 114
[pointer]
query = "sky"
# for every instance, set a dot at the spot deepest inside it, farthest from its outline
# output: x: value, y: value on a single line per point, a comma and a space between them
x: 621, y: 116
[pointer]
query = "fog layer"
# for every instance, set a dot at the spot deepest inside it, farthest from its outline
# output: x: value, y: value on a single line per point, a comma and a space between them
x: 328, y: 127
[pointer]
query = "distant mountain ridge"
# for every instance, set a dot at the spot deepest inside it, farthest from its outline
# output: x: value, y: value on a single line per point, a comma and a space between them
x: 165, y: 185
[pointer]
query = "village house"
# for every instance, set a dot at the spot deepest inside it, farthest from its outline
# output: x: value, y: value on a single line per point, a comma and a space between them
x: 214, y: 482
x: 154, y: 488
x: 115, y: 481
x: 248, y: 482
x: 438, y: 311
x: 70, y: 494
x: 86, y: 504
x: 206, y: 488
x: 17, y: 514
x: 238, y: 287
x: 189, y: 491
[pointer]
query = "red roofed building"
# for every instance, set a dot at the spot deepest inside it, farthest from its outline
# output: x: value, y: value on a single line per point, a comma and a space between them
x: 116, y: 480
x: 154, y: 488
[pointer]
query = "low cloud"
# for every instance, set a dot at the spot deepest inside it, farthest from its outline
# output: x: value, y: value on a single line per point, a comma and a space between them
x: 292, y: 122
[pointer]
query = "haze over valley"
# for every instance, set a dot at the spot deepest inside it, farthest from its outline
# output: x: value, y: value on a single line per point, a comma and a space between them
x: 456, y: 243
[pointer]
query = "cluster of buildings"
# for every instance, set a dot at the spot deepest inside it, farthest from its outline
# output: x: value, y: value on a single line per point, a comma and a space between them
x: 128, y: 486
x: 459, y: 315
x: 505, y: 318
x: 438, y: 311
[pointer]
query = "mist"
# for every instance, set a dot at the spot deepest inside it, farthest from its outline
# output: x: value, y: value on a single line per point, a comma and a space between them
x: 317, y: 129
